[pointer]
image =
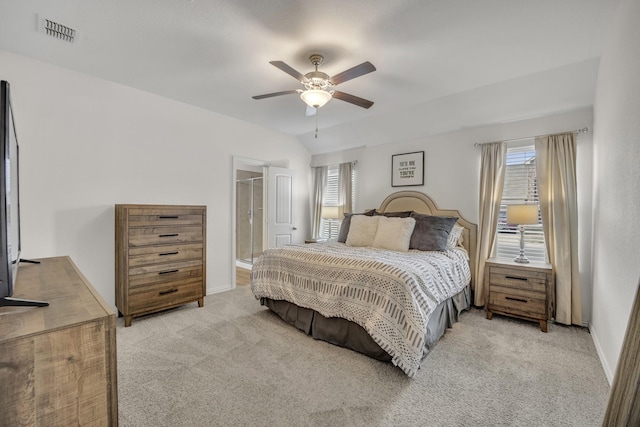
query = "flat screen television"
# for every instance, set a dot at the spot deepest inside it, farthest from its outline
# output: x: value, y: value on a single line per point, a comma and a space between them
x: 10, y: 245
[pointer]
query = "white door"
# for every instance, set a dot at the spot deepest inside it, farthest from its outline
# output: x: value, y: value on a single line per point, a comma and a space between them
x: 281, y: 224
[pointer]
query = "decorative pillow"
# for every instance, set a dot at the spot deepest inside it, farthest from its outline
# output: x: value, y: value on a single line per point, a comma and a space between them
x: 455, y: 237
x: 363, y: 230
x: 404, y: 214
x: 431, y: 233
x: 394, y: 233
x: 346, y: 222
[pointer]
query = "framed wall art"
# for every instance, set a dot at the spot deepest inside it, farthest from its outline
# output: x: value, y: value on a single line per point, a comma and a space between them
x: 407, y: 169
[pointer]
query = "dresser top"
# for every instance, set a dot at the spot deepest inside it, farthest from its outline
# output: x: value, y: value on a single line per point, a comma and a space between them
x: 71, y: 298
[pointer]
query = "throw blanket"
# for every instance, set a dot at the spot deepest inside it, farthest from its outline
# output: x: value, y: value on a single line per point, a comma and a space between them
x: 390, y: 294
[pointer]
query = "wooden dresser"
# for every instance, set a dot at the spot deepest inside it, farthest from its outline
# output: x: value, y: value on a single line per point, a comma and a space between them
x: 58, y: 363
x: 525, y: 291
x: 160, y: 257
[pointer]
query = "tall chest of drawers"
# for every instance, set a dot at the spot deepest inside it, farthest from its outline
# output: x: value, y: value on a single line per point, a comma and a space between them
x: 160, y: 257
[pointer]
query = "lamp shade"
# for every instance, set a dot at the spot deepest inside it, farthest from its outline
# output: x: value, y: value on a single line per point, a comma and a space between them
x: 315, y: 98
x: 522, y: 214
x: 330, y: 212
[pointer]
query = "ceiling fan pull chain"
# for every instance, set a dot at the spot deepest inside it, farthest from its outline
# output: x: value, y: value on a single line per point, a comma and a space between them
x: 316, y: 123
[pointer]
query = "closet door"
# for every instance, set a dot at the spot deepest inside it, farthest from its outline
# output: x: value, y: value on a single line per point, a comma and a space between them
x: 281, y: 219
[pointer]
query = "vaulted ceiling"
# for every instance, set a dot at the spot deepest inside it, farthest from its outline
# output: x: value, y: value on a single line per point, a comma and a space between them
x: 441, y: 65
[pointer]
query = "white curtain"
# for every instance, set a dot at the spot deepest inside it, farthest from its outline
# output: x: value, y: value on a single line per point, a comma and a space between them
x: 319, y: 184
x: 556, y: 171
x: 345, y: 184
x: 492, y: 169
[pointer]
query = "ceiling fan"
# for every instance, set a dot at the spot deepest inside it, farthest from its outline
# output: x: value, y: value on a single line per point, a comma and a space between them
x: 318, y: 86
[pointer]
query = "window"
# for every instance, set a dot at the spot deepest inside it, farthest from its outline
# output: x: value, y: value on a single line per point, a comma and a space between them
x: 329, y: 228
x: 520, y: 186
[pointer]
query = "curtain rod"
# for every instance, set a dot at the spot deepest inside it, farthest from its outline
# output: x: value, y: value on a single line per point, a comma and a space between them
x: 583, y: 130
x: 353, y: 162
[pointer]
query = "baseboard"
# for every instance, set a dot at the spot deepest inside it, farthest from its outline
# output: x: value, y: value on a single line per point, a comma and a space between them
x: 218, y: 290
x: 244, y: 264
x: 608, y: 372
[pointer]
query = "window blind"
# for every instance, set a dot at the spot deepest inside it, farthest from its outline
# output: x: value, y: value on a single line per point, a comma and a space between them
x: 520, y: 186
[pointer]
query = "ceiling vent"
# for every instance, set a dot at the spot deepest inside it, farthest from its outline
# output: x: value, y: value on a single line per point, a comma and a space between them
x: 56, y: 30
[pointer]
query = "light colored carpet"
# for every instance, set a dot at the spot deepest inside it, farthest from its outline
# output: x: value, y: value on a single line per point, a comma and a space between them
x: 235, y: 363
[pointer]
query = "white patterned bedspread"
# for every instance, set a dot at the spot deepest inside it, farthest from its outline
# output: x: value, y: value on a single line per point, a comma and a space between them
x: 390, y: 294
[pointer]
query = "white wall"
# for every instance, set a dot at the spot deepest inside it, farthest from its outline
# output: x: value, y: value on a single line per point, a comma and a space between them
x: 616, y: 159
x: 87, y: 144
x: 452, y: 169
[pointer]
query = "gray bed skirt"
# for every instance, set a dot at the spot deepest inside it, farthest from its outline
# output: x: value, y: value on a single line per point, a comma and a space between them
x: 347, y: 334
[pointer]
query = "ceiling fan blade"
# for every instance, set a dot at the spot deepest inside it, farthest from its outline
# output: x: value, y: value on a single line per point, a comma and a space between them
x: 270, y: 95
x: 310, y: 111
x: 287, y: 69
x: 352, y: 73
x: 360, y: 102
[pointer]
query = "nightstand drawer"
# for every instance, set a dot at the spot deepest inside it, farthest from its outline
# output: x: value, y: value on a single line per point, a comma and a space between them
x: 518, y: 304
x: 518, y: 279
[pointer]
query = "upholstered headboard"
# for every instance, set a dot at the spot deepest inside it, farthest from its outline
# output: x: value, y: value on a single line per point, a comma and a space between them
x: 421, y: 203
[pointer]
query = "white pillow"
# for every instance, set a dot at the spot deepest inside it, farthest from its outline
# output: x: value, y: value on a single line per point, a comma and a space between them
x: 455, y: 237
x: 362, y: 230
x: 394, y: 233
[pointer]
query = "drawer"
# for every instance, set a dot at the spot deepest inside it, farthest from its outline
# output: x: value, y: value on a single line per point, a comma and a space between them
x: 164, y: 235
x: 523, y: 305
x: 146, y: 255
x: 164, y: 273
x: 165, y: 296
x: 531, y: 280
x: 161, y: 216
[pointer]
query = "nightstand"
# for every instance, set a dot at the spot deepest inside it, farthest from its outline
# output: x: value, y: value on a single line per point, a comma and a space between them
x: 317, y: 240
x: 525, y: 291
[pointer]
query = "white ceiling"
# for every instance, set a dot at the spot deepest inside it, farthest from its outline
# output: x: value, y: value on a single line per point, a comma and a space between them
x: 441, y: 65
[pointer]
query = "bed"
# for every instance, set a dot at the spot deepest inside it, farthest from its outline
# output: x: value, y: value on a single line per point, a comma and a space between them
x: 390, y: 305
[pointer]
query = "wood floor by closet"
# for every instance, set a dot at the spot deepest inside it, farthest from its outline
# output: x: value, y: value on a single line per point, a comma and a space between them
x: 242, y: 276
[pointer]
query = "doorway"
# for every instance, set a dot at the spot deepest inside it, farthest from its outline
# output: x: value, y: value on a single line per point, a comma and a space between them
x: 249, y: 216
x: 262, y: 213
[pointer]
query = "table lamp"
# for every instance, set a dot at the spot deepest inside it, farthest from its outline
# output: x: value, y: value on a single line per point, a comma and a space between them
x: 330, y: 212
x: 522, y: 215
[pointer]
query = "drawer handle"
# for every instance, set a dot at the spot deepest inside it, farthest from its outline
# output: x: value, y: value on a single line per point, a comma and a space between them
x: 168, y: 216
x: 169, y: 235
x: 516, y: 299
x: 168, y: 272
x: 170, y: 291
x: 517, y: 278
x: 168, y: 253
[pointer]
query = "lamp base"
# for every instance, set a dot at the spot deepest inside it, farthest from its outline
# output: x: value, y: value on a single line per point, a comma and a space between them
x: 521, y: 258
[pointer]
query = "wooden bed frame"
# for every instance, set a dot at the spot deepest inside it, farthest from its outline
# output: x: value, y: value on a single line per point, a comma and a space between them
x: 421, y: 203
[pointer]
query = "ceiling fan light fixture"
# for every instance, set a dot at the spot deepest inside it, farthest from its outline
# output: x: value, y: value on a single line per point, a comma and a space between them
x: 315, y: 98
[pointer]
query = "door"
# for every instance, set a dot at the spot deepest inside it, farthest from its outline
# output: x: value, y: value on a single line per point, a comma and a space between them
x: 282, y: 228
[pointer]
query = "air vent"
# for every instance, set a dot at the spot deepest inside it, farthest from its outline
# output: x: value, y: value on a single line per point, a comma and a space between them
x: 57, y: 30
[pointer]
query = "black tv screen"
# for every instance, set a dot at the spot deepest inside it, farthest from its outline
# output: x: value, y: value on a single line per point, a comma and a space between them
x: 9, y: 196
x: 10, y: 245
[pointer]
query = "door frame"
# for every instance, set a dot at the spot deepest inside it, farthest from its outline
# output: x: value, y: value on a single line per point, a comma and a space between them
x: 237, y: 163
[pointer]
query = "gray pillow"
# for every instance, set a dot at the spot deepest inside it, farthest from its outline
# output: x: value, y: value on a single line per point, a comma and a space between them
x: 346, y: 223
x: 431, y: 233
